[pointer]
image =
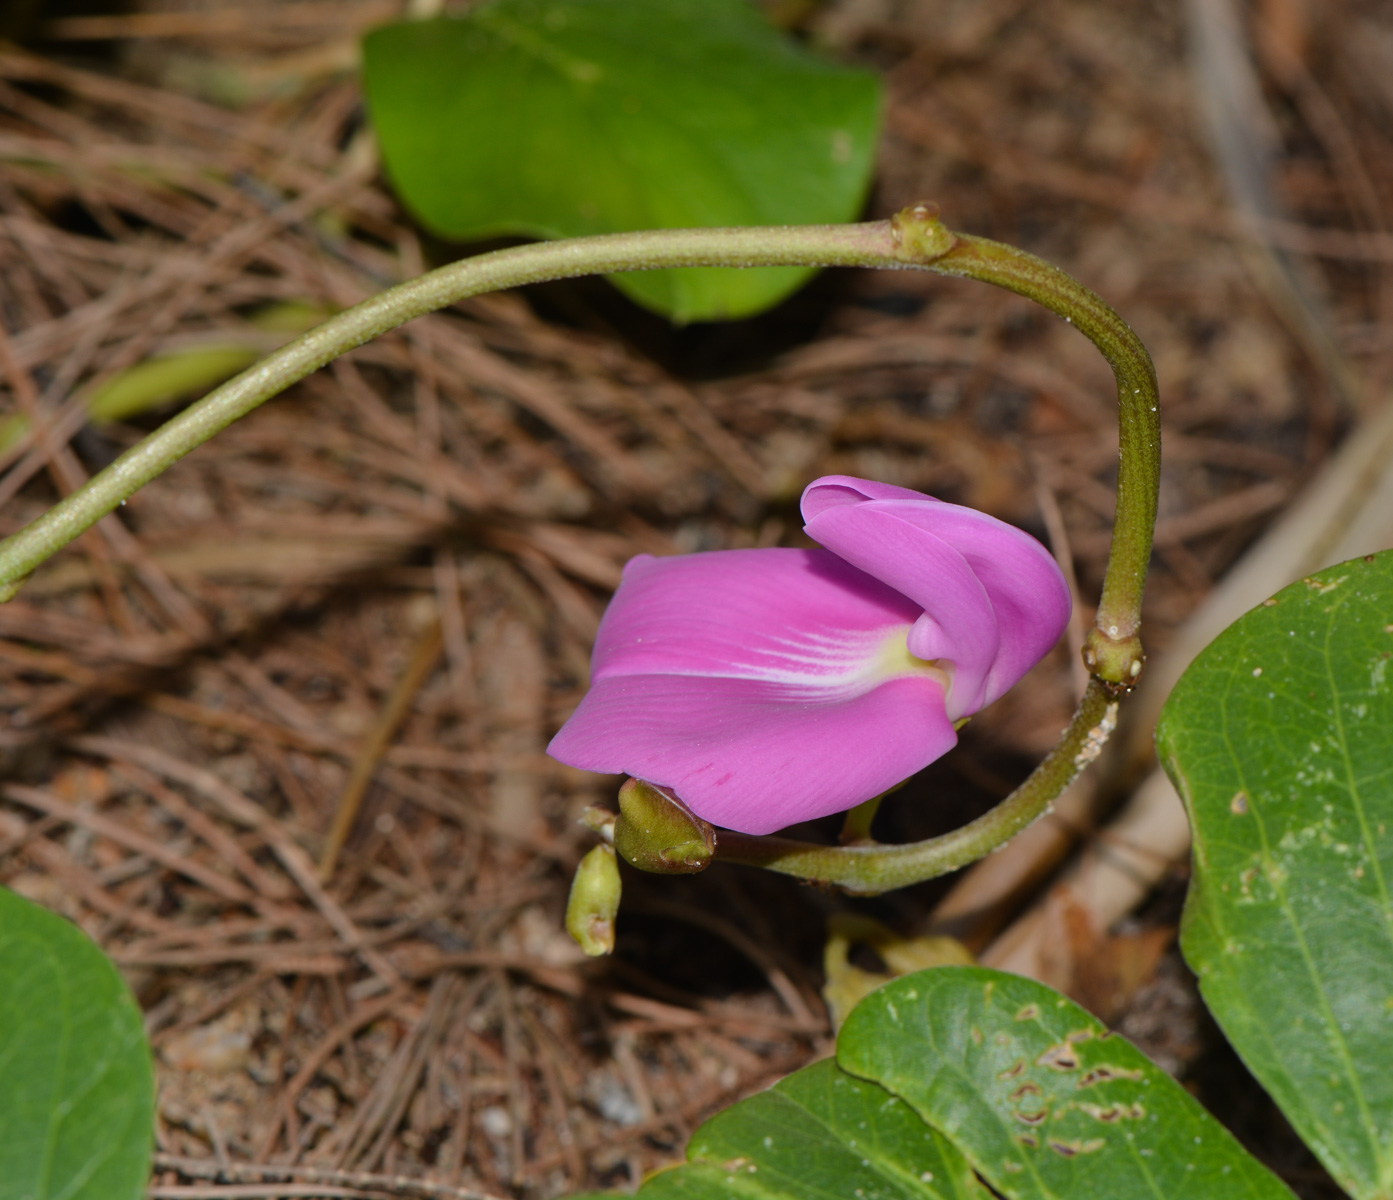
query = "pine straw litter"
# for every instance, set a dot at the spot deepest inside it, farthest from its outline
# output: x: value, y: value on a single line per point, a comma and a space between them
x: 340, y: 636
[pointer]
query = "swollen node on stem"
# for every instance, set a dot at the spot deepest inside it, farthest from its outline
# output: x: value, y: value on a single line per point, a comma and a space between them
x: 1118, y: 662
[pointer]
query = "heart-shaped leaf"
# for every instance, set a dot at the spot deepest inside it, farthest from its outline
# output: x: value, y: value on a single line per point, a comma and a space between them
x: 1039, y: 1096
x: 558, y: 118
x: 77, y: 1088
x: 1279, y: 738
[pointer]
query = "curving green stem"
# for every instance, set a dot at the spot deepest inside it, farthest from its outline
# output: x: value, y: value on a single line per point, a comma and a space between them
x: 1113, y: 649
x: 868, y: 870
x: 913, y: 238
x: 868, y: 245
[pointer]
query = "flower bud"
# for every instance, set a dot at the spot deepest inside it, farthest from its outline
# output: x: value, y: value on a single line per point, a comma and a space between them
x: 656, y: 832
x: 594, y: 901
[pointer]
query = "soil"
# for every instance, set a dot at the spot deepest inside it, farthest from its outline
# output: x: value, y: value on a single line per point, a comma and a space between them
x: 435, y: 523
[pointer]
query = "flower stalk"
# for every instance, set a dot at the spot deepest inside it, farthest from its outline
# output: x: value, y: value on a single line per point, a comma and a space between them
x: 914, y: 238
x: 869, y: 868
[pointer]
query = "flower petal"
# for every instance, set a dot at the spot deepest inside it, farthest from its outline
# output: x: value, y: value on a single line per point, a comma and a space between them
x: 1028, y: 592
x: 994, y: 600
x: 783, y: 616
x: 958, y: 625
x: 756, y: 756
x: 767, y: 687
x: 833, y: 490
x: 763, y: 686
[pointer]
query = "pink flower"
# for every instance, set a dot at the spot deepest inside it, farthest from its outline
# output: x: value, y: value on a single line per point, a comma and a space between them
x: 768, y: 687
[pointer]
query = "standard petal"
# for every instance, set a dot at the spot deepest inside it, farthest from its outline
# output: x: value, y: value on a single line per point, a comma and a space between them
x: 782, y: 616
x: 756, y: 756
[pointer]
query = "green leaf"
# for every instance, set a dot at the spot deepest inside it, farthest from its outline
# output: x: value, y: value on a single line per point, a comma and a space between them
x: 12, y: 428
x: 823, y: 1132
x: 154, y: 383
x: 1280, y: 741
x: 77, y: 1087
x: 167, y: 377
x: 819, y: 1134
x: 557, y: 118
x: 1039, y: 1096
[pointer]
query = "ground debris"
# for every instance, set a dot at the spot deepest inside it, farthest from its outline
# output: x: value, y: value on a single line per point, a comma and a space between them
x: 184, y: 695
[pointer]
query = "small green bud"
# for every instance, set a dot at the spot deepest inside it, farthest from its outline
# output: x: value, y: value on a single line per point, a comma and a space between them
x: 594, y: 901
x: 657, y: 832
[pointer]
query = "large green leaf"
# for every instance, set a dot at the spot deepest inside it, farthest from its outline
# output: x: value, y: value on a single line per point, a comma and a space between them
x: 77, y: 1089
x: 1042, y: 1100
x: 558, y: 118
x: 1280, y: 740
x: 819, y: 1134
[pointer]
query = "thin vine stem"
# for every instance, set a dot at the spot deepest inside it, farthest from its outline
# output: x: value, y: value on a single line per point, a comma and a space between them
x: 913, y: 238
x: 1113, y: 650
x: 870, y: 244
x: 869, y: 870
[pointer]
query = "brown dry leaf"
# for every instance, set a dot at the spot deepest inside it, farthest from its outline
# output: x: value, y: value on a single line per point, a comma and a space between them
x: 847, y: 984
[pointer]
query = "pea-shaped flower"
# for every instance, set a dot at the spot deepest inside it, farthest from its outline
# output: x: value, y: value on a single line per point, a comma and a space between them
x: 767, y: 687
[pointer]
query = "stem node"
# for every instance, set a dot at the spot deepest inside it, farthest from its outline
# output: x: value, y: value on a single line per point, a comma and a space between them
x: 1117, y: 662
x: 920, y: 238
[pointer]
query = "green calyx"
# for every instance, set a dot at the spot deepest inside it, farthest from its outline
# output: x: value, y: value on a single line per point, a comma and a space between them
x: 656, y: 832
